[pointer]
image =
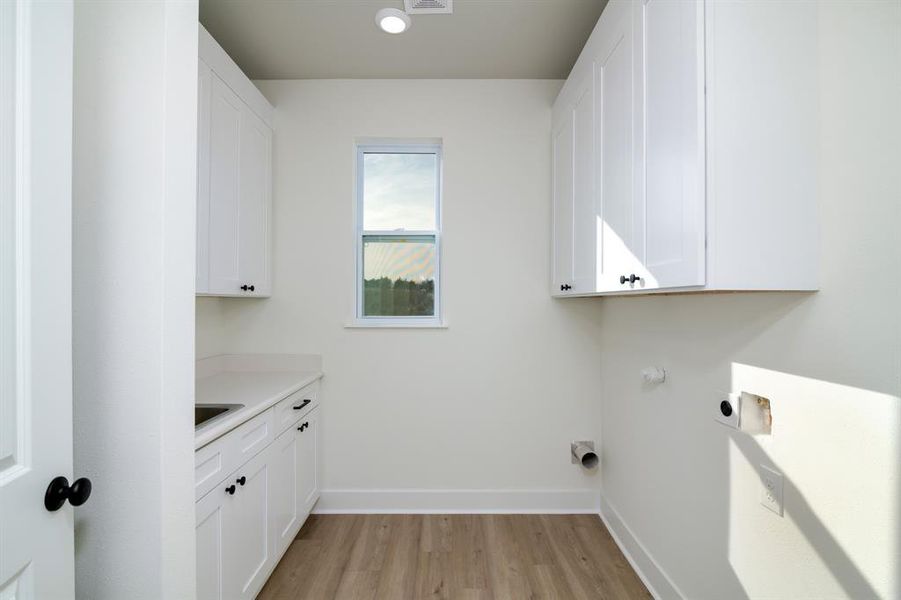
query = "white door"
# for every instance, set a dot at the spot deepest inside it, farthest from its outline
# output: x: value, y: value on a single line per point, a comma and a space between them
x: 674, y: 141
x: 308, y: 462
x: 36, y: 544
x: 585, y: 205
x: 225, y: 162
x: 283, y: 463
x: 622, y: 226
x: 246, y: 546
x: 562, y: 141
x: 210, y: 519
x: 253, y: 214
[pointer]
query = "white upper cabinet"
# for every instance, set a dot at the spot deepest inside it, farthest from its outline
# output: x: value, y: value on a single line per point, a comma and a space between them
x: 619, y: 224
x: 674, y: 223
x: 575, y: 202
x: 700, y: 145
x: 234, y: 179
x: 562, y: 149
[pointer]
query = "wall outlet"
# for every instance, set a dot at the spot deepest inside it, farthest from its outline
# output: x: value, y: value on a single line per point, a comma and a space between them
x: 728, y: 409
x: 771, y: 490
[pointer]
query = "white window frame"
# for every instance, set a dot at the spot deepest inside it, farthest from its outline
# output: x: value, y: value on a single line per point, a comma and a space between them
x: 359, y: 320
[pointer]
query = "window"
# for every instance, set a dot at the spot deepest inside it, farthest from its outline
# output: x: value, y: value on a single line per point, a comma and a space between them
x: 398, y: 235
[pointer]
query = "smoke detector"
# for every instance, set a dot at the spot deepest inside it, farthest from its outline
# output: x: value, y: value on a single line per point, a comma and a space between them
x: 429, y: 7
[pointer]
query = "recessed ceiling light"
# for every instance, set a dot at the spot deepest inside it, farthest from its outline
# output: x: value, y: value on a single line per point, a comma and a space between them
x: 392, y: 20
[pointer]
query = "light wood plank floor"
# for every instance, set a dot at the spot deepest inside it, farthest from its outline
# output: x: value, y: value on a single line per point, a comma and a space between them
x: 498, y: 557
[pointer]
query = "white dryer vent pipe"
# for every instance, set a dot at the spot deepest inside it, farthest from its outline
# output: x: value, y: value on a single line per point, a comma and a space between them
x: 584, y: 454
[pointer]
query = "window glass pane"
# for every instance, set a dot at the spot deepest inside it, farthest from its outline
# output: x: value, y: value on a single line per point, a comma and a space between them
x: 399, y: 191
x: 398, y: 276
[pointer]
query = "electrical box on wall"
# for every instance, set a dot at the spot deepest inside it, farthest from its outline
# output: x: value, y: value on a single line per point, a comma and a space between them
x: 745, y: 411
x: 728, y: 409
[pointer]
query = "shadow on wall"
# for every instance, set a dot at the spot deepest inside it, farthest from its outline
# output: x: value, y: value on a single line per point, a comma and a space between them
x: 852, y: 481
x: 696, y: 508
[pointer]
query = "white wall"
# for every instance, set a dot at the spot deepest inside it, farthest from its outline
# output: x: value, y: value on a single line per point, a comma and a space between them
x: 830, y: 362
x: 210, y: 325
x: 134, y: 196
x: 493, y: 401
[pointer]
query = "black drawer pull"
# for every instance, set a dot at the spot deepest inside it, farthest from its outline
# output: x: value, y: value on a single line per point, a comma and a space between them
x: 302, y: 404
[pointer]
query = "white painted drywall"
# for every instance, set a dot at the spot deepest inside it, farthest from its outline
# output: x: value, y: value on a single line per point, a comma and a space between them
x: 211, y: 326
x: 830, y: 362
x: 134, y: 203
x: 492, y: 401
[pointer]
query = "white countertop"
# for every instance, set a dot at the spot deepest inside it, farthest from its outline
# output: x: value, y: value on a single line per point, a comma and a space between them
x: 257, y: 390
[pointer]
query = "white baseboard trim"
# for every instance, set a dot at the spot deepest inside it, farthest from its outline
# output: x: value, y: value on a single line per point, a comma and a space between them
x: 417, y: 501
x: 649, y: 571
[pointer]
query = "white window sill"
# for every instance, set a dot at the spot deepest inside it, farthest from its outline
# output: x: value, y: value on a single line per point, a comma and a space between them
x: 395, y: 324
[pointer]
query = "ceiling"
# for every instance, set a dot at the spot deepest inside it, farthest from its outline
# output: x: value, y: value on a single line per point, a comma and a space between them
x: 321, y: 39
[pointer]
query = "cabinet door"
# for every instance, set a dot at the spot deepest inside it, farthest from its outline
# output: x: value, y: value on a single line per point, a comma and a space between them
x: 224, y: 215
x: 308, y: 463
x: 585, y: 206
x: 210, y: 522
x: 284, y: 463
x: 247, y: 549
x: 673, y: 66
x: 562, y: 141
x: 205, y: 81
x: 254, y: 205
x: 621, y: 218
x: 575, y: 201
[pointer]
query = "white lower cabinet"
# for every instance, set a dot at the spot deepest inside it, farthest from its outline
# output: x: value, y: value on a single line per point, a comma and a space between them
x: 245, y: 524
x: 295, y: 485
x: 307, y: 459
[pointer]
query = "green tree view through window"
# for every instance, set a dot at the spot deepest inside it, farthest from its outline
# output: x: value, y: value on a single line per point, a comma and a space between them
x: 398, y: 233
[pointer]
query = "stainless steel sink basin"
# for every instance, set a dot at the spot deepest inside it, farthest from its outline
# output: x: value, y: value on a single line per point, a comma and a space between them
x: 204, y: 414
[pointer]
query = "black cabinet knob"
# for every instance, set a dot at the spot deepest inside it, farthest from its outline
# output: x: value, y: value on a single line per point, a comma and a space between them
x: 303, y: 426
x: 302, y: 404
x: 565, y: 287
x: 633, y: 278
x: 59, y: 491
x: 230, y: 490
x: 248, y: 288
x: 623, y: 279
x: 242, y: 480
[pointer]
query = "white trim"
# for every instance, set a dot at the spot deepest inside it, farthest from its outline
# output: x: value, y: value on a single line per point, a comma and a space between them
x: 649, y: 571
x: 406, y: 146
x: 391, y: 323
x: 424, y: 501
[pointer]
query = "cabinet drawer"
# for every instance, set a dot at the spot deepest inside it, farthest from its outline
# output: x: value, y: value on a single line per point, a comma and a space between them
x: 220, y: 457
x: 289, y: 410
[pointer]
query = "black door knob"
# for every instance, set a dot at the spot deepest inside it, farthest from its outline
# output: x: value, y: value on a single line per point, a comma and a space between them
x: 59, y: 491
x: 242, y: 480
x: 230, y: 490
x: 248, y: 288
